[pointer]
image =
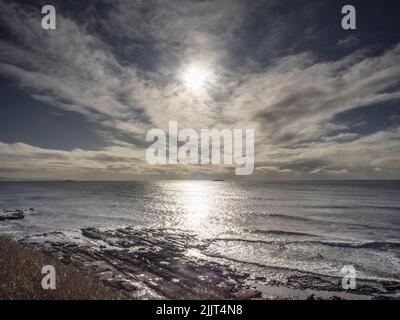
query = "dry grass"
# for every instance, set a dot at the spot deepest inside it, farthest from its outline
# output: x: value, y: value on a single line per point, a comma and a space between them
x: 21, y: 277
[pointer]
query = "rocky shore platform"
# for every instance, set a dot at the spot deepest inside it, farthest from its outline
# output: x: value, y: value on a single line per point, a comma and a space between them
x: 156, y: 263
x: 169, y: 263
x: 146, y: 263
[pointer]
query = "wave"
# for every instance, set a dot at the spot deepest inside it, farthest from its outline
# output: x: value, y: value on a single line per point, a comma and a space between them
x: 289, y: 217
x: 379, y: 245
x: 285, y: 233
x: 352, y: 207
x: 275, y: 242
x: 319, y: 221
x: 375, y: 245
x: 297, y: 270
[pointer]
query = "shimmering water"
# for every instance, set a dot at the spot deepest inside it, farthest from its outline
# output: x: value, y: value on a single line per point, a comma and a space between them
x: 314, y: 227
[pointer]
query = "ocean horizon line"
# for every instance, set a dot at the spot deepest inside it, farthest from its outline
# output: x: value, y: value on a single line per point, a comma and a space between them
x: 212, y: 180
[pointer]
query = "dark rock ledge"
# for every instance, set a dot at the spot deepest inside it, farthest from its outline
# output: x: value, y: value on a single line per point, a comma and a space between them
x: 157, y: 263
x: 14, y: 214
x: 147, y: 263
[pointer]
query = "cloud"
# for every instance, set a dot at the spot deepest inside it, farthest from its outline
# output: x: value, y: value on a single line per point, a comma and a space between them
x: 294, y: 104
x: 348, y: 42
x: 77, y: 71
x: 122, y: 72
x: 67, y: 68
x: 342, y: 137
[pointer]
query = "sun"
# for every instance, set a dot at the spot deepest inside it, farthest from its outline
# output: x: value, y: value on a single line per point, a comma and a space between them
x: 195, y: 77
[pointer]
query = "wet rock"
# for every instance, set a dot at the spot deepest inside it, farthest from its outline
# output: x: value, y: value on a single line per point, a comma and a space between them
x: 11, y: 215
x: 391, y: 286
x: 92, y: 233
x: 157, y: 263
x: 149, y: 263
x: 248, y: 294
x: 66, y: 259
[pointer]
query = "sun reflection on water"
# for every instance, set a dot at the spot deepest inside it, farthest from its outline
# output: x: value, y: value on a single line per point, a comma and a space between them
x: 199, y: 204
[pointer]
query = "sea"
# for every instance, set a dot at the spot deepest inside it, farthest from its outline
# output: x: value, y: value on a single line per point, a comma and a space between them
x: 313, y: 227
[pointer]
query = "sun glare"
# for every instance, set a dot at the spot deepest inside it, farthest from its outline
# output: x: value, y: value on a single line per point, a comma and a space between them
x: 195, y: 77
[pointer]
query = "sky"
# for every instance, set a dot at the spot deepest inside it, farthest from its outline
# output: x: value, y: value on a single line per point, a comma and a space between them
x: 77, y: 102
